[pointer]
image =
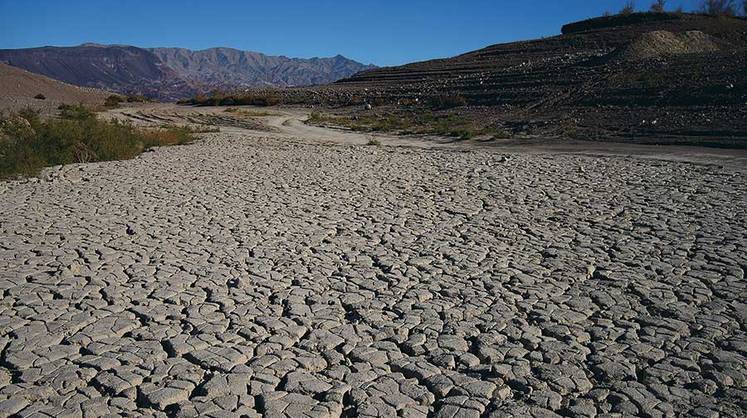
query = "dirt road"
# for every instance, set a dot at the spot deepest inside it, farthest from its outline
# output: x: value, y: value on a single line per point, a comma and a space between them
x: 293, y: 272
x: 289, y: 123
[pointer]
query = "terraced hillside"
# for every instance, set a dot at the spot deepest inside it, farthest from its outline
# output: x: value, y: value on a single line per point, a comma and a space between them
x: 642, y: 75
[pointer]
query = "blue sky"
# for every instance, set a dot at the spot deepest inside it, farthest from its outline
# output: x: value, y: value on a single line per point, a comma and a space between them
x: 384, y: 32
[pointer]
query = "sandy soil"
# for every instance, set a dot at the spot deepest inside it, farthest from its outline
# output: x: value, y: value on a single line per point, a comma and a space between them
x: 290, y: 271
x: 18, y: 88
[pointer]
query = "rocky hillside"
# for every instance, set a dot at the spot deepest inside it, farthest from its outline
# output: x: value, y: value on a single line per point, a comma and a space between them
x: 171, y: 73
x: 124, y: 69
x: 641, y: 76
x: 227, y: 68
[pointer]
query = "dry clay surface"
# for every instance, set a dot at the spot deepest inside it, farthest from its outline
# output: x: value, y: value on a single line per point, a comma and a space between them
x: 250, y: 274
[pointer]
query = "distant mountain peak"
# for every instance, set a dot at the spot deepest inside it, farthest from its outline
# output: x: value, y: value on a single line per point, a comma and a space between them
x: 173, y: 73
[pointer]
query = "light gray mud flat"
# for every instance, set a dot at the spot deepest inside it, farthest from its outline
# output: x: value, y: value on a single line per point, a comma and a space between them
x: 249, y: 275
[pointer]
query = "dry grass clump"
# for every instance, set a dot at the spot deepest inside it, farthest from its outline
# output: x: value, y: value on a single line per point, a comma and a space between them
x: 659, y: 6
x: 113, y: 101
x: 240, y: 99
x: 29, y: 143
x: 718, y: 7
x: 415, y: 123
x: 138, y: 98
x: 628, y: 8
x: 249, y: 112
x: 199, y: 129
x: 168, y: 135
x: 443, y: 102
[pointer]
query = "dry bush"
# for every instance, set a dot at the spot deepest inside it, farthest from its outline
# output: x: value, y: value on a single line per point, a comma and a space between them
x: 659, y: 6
x: 418, y: 123
x: 444, y: 102
x: 137, y: 99
x: 407, y: 102
x: 167, y: 135
x: 243, y: 99
x: 250, y: 112
x: 718, y: 7
x: 628, y: 9
x: 40, y: 97
x: 113, y: 101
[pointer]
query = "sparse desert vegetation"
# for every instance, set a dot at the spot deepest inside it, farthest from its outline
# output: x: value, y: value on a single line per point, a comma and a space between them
x: 628, y: 8
x: 718, y: 7
x: 29, y: 143
x: 113, y: 101
x: 249, y: 112
x: 659, y: 6
x: 448, y: 101
x: 410, y: 123
x: 229, y: 99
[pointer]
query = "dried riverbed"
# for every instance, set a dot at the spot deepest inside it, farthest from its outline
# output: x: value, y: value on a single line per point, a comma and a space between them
x: 255, y: 273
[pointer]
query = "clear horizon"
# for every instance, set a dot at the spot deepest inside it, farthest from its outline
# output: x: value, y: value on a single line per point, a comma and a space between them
x: 384, y: 33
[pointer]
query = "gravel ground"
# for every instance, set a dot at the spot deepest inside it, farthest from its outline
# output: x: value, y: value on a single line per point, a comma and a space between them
x: 246, y: 275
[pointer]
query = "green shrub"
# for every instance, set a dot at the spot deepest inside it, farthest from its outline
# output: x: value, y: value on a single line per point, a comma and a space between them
x: 75, y: 112
x: 29, y: 115
x: 28, y: 143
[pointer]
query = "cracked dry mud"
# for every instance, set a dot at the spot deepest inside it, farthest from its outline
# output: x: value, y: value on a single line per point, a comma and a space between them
x: 247, y: 275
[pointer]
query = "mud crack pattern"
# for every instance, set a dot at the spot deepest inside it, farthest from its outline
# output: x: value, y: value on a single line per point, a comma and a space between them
x: 248, y: 276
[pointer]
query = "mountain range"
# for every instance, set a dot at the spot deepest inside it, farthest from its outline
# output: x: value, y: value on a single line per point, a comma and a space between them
x: 175, y: 73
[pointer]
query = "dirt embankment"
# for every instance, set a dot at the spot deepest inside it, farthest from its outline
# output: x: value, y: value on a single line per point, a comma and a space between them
x: 21, y: 89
